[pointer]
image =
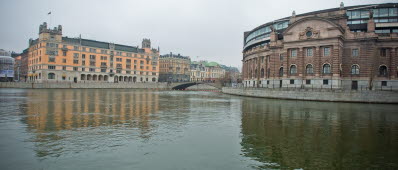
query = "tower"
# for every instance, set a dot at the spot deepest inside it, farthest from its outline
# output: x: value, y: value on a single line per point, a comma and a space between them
x: 54, y: 35
x: 146, y: 43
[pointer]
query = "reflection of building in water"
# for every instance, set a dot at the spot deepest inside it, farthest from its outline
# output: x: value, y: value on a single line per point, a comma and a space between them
x: 53, y: 111
x: 312, y: 135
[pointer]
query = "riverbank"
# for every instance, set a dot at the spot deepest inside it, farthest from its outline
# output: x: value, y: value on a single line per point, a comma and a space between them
x: 90, y: 85
x: 335, y: 95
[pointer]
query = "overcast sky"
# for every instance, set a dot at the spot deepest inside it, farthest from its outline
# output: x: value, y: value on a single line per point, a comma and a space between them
x: 210, y: 29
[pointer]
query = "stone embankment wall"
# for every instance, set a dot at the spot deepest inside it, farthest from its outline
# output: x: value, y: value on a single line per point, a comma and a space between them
x: 201, y: 87
x: 334, y: 95
x: 84, y: 85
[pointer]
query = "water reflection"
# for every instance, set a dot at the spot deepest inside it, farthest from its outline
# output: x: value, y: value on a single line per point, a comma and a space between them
x: 75, y: 120
x: 314, y: 135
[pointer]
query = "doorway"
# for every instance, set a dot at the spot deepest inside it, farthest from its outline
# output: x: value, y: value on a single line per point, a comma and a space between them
x: 354, y: 85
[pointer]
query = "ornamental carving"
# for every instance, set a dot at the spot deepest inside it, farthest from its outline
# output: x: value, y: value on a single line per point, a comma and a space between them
x: 309, y: 33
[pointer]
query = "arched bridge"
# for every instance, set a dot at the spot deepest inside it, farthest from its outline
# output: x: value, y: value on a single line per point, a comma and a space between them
x: 185, y: 85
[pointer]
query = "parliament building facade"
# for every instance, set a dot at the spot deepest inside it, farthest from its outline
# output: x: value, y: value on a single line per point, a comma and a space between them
x: 346, y: 47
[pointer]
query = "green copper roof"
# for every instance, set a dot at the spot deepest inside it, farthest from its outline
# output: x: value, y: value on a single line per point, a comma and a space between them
x: 211, y: 64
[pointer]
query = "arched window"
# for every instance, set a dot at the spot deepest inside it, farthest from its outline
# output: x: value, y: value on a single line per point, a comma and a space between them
x: 309, y: 69
x: 354, y: 69
x: 293, y: 69
x: 383, y: 71
x: 154, y: 79
x: 281, y: 72
x: 326, y: 69
x: 51, y: 76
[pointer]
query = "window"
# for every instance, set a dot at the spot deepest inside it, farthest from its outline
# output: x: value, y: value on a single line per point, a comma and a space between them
x: 103, y: 70
x: 63, y: 67
x: 103, y: 64
x: 92, y: 69
x: 76, y: 48
x: 75, y: 69
x: 325, y: 82
x: 51, y: 67
x: 51, y: 76
x: 83, y: 48
x: 141, y: 62
x: 103, y: 58
x: 51, y: 59
x: 104, y: 51
x: 326, y: 69
x: 93, y: 50
x: 292, y: 81
x: 128, y: 61
x: 293, y: 53
x: 383, y: 83
x: 119, y: 59
x: 293, y: 69
x: 309, y: 52
x: 64, y: 53
x: 382, y: 31
x: 383, y: 71
x: 355, y: 69
x: 326, y: 51
x: 281, y: 57
x: 128, y: 54
x: 119, y: 65
x: 153, y: 68
x: 83, y: 56
x: 83, y: 62
x: 135, y: 61
x: 307, y: 81
x: 83, y: 69
x: 92, y: 63
x: 309, y: 69
x: 64, y: 60
x: 118, y: 71
x: 92, y: 57
x: 281, y: 72
x: 354, y: 52
x: 393, y: 12
x: 383, y: 52
x: 383, y: 12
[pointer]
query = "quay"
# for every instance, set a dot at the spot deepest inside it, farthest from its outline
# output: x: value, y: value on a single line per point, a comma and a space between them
x: 328, y: 95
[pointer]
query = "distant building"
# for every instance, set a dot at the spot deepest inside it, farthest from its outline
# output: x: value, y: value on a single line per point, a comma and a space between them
x: 6, y: 66
x: 206, y: 71
x: 174, y: 68
x: 54, y: 58
x: 198, y: 71
x: 21, y: 66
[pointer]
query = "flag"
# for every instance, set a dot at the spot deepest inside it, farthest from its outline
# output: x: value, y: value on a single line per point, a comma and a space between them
x: 49, y: 13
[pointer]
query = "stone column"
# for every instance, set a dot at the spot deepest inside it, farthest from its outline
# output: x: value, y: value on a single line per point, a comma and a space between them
x: 317, y: 61
x: 335, y: 60
x: 393, y: 63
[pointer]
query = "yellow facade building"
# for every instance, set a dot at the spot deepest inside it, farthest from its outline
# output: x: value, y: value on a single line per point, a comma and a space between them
x: 54, y: 58
x: 174, y: 68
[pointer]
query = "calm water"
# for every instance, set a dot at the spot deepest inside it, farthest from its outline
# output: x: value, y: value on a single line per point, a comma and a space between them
x: 136, y: 129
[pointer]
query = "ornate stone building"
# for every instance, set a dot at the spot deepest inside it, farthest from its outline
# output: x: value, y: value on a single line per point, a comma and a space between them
x: 174, y: 68
x: 347, y: 47
x: 54, y: 58
x: 206, y: 71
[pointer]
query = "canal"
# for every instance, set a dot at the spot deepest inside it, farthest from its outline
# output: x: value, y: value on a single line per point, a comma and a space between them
x: 142, y: 129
